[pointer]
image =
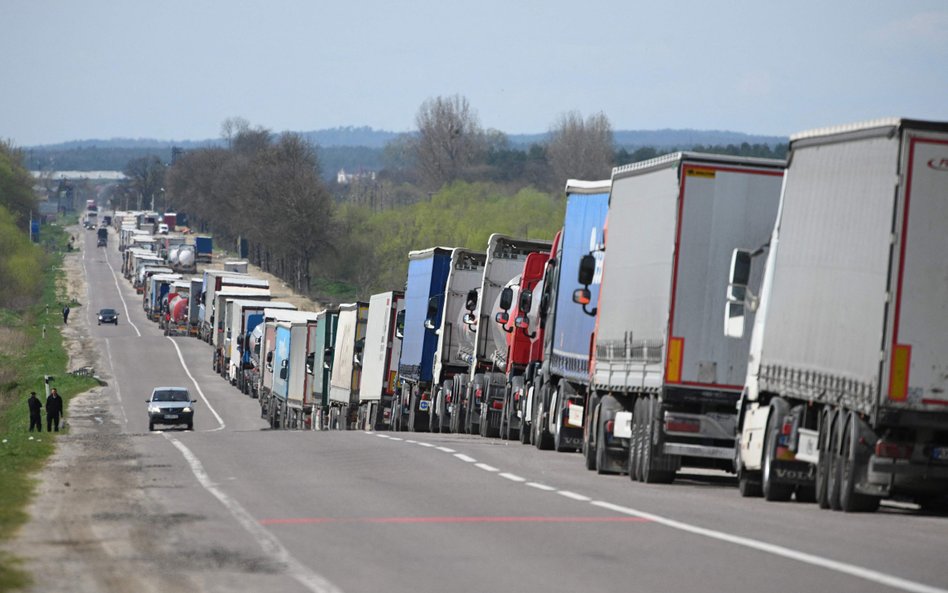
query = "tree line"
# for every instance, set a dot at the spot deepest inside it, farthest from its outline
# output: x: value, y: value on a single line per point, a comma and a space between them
x: 21, y: 261
x: 450, y: 182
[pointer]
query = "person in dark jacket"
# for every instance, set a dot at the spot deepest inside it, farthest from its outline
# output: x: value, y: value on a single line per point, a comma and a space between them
x: 66, y: 315
x: 36, y: 411
x: 54, y: 409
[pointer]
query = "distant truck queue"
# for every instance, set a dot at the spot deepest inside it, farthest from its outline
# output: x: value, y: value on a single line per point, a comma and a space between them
x: 781, y: 320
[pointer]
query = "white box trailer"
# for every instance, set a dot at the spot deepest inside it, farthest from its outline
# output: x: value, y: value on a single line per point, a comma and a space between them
x: 293, y: 357
x: 455, y: 350
x: 238, y: 314
x: 215, y: 280
x: 664, y: 380
x: 482, y: 406
x: 846, y: 389
x: 380, y: 361
x: 347, y: 365
x: 218, y: 313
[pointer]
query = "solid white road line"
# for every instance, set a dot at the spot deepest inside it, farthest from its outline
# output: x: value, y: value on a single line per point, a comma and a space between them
x: 270, y: 544
x: 184, y: 365
x: 842, y: 567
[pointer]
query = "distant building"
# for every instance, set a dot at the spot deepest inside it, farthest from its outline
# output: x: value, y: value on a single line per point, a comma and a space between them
x: 343, y: 178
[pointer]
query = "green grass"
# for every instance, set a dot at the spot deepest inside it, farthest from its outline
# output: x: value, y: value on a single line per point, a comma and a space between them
x: 333, y: 290
x: 25, y: 357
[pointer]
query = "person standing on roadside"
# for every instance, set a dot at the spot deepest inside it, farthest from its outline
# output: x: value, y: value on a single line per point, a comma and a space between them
x: 54, y: 409
x: 36, y: 411
x: 66, y: 315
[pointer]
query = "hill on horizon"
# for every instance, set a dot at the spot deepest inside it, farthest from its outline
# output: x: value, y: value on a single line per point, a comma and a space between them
x: 364, y: 136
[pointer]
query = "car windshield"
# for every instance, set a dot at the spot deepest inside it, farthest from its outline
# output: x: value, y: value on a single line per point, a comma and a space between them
x: 170, y: 395
x: 107, y: 312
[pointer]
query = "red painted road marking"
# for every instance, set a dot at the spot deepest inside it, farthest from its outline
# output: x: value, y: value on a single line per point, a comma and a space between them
x: 413, y: 520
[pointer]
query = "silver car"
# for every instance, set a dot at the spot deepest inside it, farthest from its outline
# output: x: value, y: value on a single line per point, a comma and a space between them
x: 170, y: 405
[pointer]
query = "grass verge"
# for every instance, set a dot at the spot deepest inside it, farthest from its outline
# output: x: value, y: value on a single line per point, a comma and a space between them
x: 26, y: 355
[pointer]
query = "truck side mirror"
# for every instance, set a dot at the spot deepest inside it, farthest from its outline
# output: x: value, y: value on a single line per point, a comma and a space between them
x: 471, y: 302
x: 503, y: 318
x: 284, y: 369
x: 526, y: 300
x: 739, y: 275
x: 587, y: 269
x: 506, y: 298
x: 327, y: 358
x: 399, y: 325
x: 310, y: 361
x: 359, y: 348
x: 431, y: 321
x: 734, y: 320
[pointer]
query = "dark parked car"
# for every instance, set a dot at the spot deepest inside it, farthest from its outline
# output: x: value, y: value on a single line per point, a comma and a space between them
x: 170, y: 405
x: 108, y: 316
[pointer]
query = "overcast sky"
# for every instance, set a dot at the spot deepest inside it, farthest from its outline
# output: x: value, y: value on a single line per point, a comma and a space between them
x: 175, y: 69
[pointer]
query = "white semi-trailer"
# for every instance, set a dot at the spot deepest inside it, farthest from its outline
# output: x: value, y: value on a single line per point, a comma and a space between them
x: 664, y: 380
x: 846, y: 386
x: 346, y: 375
x: 380, y: 361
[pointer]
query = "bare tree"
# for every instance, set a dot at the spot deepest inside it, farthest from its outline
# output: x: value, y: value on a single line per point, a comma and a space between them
x: 146, y: 176
x: 450, y: 140
x: 579, y: 149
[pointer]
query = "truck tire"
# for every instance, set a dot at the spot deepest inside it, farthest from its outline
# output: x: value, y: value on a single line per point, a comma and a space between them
x: 851, y: 468
x: 822, y: 466
x: 602, y: 460
x: 635, y: 447
x: 559, y: 439
x: 773, y: 490
x: 656, y: 468
x: 542, y: 438
x: 445, y: 417
x: 834, y: 461
x: 434, y: 415
x: 589, y: 448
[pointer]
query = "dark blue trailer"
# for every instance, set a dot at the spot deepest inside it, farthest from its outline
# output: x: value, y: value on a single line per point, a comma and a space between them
x: 559, y: 388
x: 424, y: 298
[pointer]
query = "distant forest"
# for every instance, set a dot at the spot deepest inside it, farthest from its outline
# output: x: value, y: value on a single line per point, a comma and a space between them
x: 362, y: 149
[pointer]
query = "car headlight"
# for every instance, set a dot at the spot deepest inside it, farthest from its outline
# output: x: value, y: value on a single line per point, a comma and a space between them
x: 186, y: 410
x: 153, y: 409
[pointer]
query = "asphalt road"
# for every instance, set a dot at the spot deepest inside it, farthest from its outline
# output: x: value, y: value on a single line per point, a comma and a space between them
x: 361, y: 512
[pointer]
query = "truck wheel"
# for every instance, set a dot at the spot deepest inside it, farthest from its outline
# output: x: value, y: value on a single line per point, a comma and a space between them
x: 651, y: 460
x: 434, y: 417
x: 822, y: 466
x: 151, y: 426
x: 635, y: 465
x: 601, y: 454
x: 445, y: 416
x: 774, y: 491
x: 589, y: 448
x: 559, y: 439
x: 834, y: 461
x: 851, y: 468
x: 542, y: 438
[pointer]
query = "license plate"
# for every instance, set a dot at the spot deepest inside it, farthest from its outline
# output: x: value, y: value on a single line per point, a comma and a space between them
x: 423, y: 405
x: 170, y: 416
x: 940, y: 453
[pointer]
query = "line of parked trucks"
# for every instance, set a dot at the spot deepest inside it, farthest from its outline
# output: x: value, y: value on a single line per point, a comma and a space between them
x: 783, y: 320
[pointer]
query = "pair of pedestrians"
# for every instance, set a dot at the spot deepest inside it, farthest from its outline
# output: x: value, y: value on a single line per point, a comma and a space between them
x: 54, y: 411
